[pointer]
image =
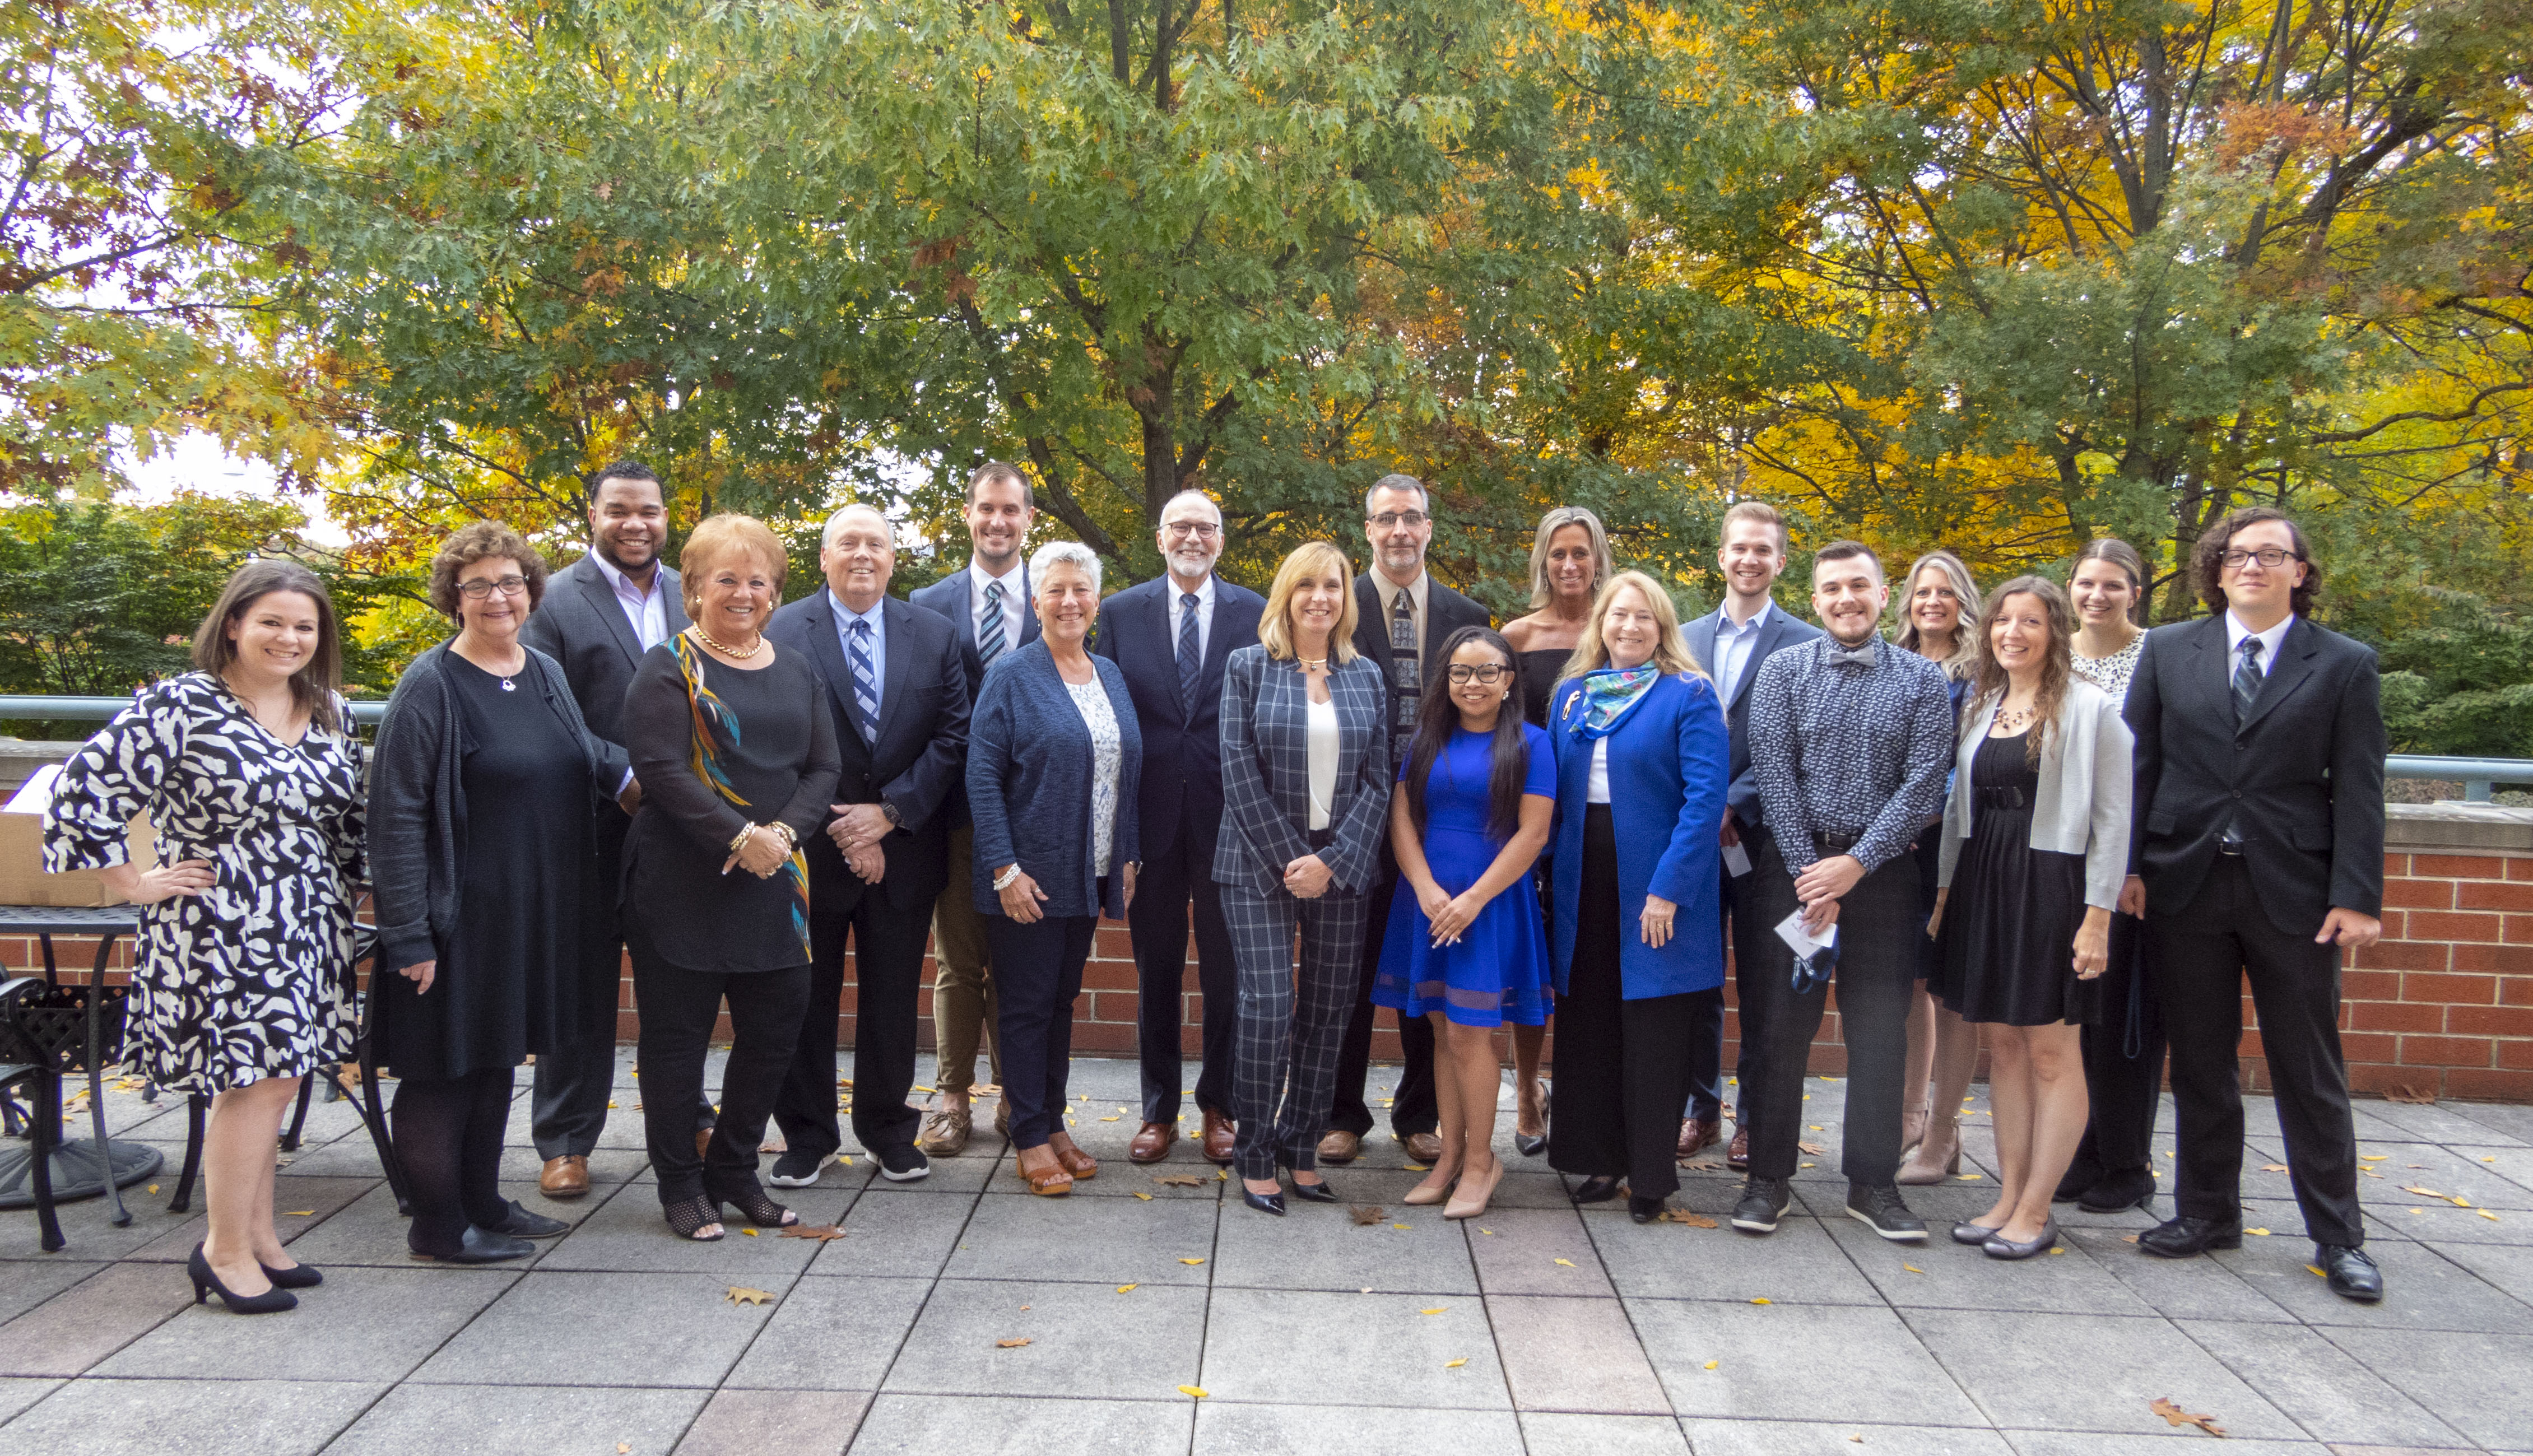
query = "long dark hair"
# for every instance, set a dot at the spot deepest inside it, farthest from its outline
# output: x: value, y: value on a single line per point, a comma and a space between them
x: 1438, y: 718
x: 317, y: 680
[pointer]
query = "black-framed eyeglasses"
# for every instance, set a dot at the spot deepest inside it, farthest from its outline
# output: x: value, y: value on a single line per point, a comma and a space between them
x: 2268, y: 556
x: 1490, y: 674
x: 480, y: 588
x: 1390, y: 520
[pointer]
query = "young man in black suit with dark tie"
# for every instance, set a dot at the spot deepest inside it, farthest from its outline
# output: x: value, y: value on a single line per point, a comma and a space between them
x: 901, y: 708
x: 1171, y: 637
x: 2258, y: 850
x: 1403, y: 617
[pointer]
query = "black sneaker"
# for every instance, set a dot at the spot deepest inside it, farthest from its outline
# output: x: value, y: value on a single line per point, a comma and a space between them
x: 1881, y: 1208
x: 799, y: 1167
x: 1764, y: 1201
x: 904, y: 1163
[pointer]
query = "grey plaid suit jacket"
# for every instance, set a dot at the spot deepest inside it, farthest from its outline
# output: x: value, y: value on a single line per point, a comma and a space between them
x: 1266, y: 772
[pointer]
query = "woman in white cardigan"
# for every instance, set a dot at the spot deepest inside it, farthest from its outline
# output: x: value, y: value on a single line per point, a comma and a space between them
x: 2034, y: 845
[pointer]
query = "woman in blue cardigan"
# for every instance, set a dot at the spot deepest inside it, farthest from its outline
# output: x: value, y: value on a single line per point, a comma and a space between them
x: 1053, y: 758
x: 1642, y: 764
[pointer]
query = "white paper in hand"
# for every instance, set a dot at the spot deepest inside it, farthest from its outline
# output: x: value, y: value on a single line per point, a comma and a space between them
x: 1791, y: 931
x: 1737, y: 860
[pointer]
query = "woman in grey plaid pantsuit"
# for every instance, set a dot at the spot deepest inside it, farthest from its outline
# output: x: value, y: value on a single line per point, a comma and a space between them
x: 1305, y: 793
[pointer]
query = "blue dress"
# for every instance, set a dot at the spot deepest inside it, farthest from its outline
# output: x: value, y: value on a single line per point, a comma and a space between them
x: 1498, y: 971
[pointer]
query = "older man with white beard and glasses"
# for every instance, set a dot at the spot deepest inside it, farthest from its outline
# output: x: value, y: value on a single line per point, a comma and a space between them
x: 1171, y: 636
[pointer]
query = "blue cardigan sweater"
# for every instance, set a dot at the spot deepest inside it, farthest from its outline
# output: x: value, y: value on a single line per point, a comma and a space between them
x: 1669, y: 761
x: 1028, y: 785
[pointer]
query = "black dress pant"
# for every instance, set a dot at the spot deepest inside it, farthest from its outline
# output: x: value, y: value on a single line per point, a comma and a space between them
x: 1622, y: 1065
x: 448, y: 1139
x: 1878, y: 929
x: 2123, y: 1062
x: 1037, y: 974
x: 888, y: 967
x: 1412, y: 1108
x: 679, y: 1009
x: 2201, y: 953
x: 1751, y: 935
x: 1167, y: 888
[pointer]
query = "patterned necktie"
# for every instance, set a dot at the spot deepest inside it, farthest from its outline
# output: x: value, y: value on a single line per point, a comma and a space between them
x: 865, y: 680
x: 989, y: 635
x: 1406, y: 671
x: 1191, y: 658
x: 2247, y: 678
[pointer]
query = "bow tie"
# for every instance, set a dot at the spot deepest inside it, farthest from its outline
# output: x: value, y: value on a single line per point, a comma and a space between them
x: 1861, y: 656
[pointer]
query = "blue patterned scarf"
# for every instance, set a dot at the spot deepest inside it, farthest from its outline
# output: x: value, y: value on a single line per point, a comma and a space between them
x: 1607, y: 696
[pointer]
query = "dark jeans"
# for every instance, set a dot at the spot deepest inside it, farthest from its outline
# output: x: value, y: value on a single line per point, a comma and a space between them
x: 887, y: 971
x: 2202, y: 956
x: 448, y: 1137
x: 1167, y: 889
x: 679, y: 1009
x: 2123, y: 1061
x: 1878, y: 930
x: 1412, y: 1108
x: 1037, y: 973
x: 1622, y: 1065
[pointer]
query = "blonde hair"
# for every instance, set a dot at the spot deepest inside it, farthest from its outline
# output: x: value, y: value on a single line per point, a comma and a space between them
x: 1671, y: 650
x: 1965, y: 653
x: 1549, y: 525
x: 1276, y: 625
x: 724, y: 535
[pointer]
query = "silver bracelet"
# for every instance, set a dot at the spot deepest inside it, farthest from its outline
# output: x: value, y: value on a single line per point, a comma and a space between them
x: 1003, y: 881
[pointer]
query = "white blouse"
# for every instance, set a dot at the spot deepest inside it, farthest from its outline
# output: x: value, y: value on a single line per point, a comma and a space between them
x: 1107, y: 760
x: 1596, y: 783
x: 2111, y: 673
x: 1324, y: 762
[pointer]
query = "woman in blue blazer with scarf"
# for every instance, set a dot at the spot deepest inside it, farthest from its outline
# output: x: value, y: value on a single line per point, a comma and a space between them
x: 1642, y: 760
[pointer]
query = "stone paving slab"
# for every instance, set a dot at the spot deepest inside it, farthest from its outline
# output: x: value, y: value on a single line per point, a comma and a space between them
x: 1537, y: 1328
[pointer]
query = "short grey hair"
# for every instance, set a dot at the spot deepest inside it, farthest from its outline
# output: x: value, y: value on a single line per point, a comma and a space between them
x: 1424, y: 502
x: 835, y: 523
x: 1063, y: 553
x: 1200, y: 498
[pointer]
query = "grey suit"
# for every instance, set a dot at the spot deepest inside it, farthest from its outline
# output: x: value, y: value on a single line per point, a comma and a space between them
x: 580, y: 625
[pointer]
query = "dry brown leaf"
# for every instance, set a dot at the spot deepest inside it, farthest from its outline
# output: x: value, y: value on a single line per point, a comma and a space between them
x: 1693, y: 1220
x: 1011, y: 1344
x: 740, y: 1294
x: 1815, y: 1148
x: 2414, y: 1096
x: 2175, y: 1415
x: 1366, y: 1214
x: 1701, y: 1165
x: 1178, y: 1179
x: 822, y: 1232
x: 2128, y: 1239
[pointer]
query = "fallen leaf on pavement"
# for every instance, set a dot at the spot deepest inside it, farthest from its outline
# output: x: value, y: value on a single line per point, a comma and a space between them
x: 1568, y: 1263
x: 1453, y: 1364
x: 1366, y: 1214
x: 1198, y: 1391
x: 2128, y: 1239
x: 1178, y: 1179
x: 1146, y: 1198
x: 2315, y: 1271
x: 1011, y: 1344
x: 299, y: 1214
x: 1693, y: 1220
x: 1815, y: 1148
x: 2424, y: 1192
x: 1913, y: 1268
x: 1710, y: 1365
x: 1191, y: 1261
x: 751, y: 1232
x: 2175, y: 1415
x: 2485, y: 1213
x: 1702, y: 1165
x: 740, y: 1294
x: 2264, y: 1233
x: 1968, y: 1177
x: 1128, y: 1288
x: 822, y: 1232
x: 2273, y: 1167
x: 2372, y: 1157
x: 2412, y: 1096
x: 1399, y: 1226
x: 1436, y: 1309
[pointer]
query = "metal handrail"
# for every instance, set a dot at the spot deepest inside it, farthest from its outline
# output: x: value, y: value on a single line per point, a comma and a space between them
x: 98, y: 710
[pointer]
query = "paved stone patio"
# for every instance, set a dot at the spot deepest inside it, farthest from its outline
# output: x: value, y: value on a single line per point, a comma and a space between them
x: 1537, y: 1328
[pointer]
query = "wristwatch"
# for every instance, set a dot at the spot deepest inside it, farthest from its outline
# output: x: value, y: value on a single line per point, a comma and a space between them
x: 888, y: 811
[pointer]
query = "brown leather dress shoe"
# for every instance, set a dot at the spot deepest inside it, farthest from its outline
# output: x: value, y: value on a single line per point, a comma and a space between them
x: 1696, y: 1135
x: 1220, y: 1135
x: 946, y: 1129
x: 1424, y: 1148
x: 1738, y: 1154
x: 1152, y: 1142
x: 1340, y: 1148
x: 566, y: 1177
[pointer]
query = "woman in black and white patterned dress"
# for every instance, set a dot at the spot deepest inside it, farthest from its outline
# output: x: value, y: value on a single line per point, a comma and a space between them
x: 252, y: 778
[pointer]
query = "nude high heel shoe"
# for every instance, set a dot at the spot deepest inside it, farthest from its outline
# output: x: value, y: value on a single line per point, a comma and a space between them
x: 1926, y: 1166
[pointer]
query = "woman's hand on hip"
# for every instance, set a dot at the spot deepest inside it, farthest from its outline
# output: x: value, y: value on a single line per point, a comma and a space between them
x: 422, y: 973
x: 1655, y: 924
x: 1021, y: 898
x: 1308, y: 878
x: 150, y: 886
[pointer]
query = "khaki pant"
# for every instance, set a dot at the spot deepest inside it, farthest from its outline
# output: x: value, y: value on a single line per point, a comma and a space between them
x: 963, y: 982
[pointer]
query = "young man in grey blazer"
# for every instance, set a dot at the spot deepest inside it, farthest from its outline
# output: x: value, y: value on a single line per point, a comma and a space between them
x: 1730, y: 643
x: 2258, y: 853
x: 598, y: 616
x: 987, y: 604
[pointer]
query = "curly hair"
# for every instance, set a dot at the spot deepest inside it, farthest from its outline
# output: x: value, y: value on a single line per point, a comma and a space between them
x: 2056, y: 667
x: 483, y: 540
x: 2207, y: 557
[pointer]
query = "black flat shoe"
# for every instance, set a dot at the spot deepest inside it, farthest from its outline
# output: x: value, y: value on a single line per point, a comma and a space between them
x: 525, y: 1223
x: 2115, y: 1193
x: 1644, y: 1210
x: 1601, y: 1188
x: 2187, y: 1238
x: 296, y: 1276
x: 207, y: 1283
x: 2076, y: 1182
x: 2352, y: 1272
x: 1265, y: 1203
x: 481, y: 1246
x: 1315, y: 1192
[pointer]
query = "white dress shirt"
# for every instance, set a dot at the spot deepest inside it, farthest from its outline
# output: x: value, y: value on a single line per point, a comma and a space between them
x: 1734, y: 646
x: 2267, y: 657
x: 1388, y: 592
x: 1015, y: 587
x: 1204, y: 614
x: 645, y: 607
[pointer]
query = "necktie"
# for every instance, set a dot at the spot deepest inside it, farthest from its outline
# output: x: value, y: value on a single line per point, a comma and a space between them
x: 1191, y: 659
x: 865, y: 680
x: 2247, y: 677
x: 989, y: 633
x: 1406, y: 671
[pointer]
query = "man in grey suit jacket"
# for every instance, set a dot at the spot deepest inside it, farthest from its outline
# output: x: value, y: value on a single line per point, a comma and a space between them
x: 598, y: 616
x: 1730, y: 643
x: 989, y: 605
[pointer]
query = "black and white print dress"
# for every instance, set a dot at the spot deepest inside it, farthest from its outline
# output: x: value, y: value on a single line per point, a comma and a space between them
x: 249, y: 979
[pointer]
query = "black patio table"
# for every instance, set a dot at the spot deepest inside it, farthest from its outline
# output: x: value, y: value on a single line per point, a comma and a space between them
x: 78, y: 1169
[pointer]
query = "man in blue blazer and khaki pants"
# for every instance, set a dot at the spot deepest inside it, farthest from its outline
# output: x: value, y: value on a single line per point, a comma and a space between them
x: 1170, y: 636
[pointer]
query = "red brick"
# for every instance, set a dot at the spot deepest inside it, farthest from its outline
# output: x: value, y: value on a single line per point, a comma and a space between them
x: 2457, y: 925
x: 2519, y: 867
x: 2495, y: 1085
x: 2447, y: 1051
x: 2489, y: 1021
x: 2519, y: 930
x: 2397, y: 925
x: 2396, y: 865
x: 2515, y: 990
x: 2451, y: 990
x: 2515, y: 959
x: 2391, y: 954
x: 2458, y: 866
x: 2515, y: 1055
x: 2423, y: 895
x: 2368, y: 1046
x: 2477, y: 957
x: 2490, y: 895
x: 2373, y: 985
x: 2396, y: 1015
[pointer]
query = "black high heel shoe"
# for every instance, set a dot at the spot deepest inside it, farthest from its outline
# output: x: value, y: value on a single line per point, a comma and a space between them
x: 1264, y: 1203
x: 754, y: 1203
x: 207, y: 1283
x: 689, y: 1218
x: 1525, y: 1144
x: 296, y: 1276
x: 1600, y: 1187
x: 1314, y: 1193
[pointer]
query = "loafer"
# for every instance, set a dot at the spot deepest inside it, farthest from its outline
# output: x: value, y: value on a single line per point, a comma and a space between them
x: 904, y: 1163
x: 2187, y: 1237
x: 1880, y: 1208
x: 946, y: 1129
x: 797, y: 1167
x: 483, y: 1246
x: 1340, y: 1147
x: 1600, y: 1187
x: 1152, y: 1142
x: 1764, y: 1201
x: 1736, y: 1155
x: 1221, y: 1133
x: 2113, y: 1193
x: 564, y: 1177
x: 1424, y: 1148
x: 2000, y: 1247
x: 527, y: 1223
x: 2351, y: 1272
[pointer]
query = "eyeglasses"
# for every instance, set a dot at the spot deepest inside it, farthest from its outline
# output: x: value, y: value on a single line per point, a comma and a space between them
x: 479, y: 589
x: 2267, y: 556
x: 1200, y: 530
x: 1491, y: 673
x: 1390, y: 520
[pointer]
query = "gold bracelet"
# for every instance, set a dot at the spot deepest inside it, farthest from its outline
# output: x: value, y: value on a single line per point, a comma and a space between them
x: 791, y: 840
x: 740, y: 843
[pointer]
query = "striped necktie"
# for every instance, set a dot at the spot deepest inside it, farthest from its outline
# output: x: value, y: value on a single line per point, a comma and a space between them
x: 1191, y: 659
x: 865, y: 680
x: 989, y: 633
x: 2247, y: 678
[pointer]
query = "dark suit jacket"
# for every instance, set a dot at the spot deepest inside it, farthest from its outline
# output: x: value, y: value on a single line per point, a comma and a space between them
x: 952, y: 597
x: 2304, y: 771
x: 1266, y: 772
x: 1446, y: 612
x: 580, y: 626
x: 1182, y: 743
x: 917, y: 762
x: 1741, y: 795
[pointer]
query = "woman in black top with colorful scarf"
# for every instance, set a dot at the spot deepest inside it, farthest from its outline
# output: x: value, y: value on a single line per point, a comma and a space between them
x: 736, y: 757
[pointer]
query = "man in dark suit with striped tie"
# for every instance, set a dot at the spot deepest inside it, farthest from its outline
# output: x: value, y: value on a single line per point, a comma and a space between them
x: 988, y: 607
x: 899, y: 701
x: 1170, y: 636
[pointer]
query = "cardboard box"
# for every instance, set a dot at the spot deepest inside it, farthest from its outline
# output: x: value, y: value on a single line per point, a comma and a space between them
x: 22, y: 880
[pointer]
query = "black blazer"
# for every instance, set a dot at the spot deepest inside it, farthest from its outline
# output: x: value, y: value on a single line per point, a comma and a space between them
x: 952, y: 597
x: 1182, y: 746
x: 580, y: 626
x: 1446, y: 612
x: 2304, y: 772
x: 916, y: 763
x: 1742, y: 794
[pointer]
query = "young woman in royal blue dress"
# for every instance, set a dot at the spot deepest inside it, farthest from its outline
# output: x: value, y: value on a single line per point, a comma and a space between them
x: 1481, y: 789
